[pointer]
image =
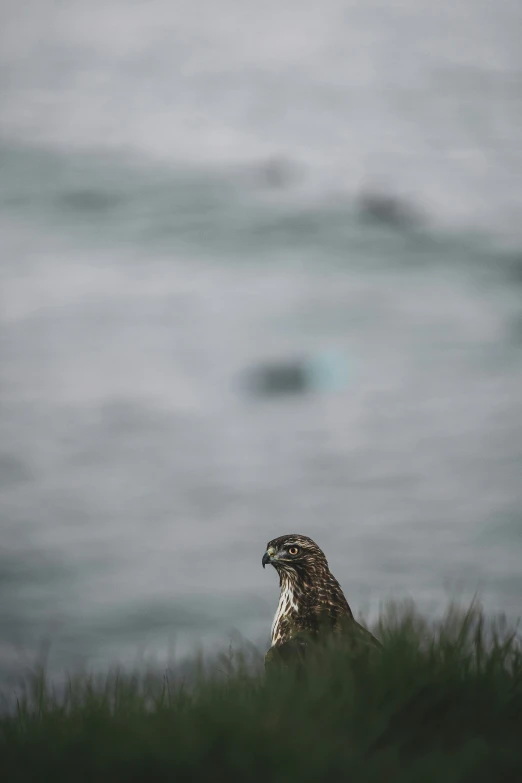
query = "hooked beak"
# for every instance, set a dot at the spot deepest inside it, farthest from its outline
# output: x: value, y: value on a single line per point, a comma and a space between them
x: 267, y: 557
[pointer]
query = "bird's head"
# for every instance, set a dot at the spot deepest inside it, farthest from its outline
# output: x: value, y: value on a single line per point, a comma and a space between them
x: 295, y: 556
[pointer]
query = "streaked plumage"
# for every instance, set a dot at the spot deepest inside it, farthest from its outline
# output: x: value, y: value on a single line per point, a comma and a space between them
x: 311, y: 601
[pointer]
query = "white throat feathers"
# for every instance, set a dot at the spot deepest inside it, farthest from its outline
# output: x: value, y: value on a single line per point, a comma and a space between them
x: 286, y: 607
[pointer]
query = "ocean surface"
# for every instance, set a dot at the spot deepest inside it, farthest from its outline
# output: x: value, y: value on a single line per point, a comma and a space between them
x: 194, y: 191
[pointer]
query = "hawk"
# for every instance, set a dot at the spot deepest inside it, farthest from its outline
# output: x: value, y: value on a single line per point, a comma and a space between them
x: 311, y: 601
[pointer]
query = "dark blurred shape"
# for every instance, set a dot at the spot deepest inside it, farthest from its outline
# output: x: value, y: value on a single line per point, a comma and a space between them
x: 388, y: 210
x: 278, y: 172
x: 514, y: 267
x: 323, y: 372
x: 88, y: 200
x: 282, y: 378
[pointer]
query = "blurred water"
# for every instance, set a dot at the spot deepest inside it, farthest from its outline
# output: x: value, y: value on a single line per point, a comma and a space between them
x: 178, y: 199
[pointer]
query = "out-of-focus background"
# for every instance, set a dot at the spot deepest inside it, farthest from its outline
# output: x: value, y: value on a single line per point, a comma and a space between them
x: 261, y: 272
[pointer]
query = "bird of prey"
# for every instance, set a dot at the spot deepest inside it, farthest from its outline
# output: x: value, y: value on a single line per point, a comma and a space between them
x: 311, y: 602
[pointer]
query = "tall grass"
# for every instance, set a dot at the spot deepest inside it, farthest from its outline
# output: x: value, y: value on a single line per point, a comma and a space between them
x: 441, y: 702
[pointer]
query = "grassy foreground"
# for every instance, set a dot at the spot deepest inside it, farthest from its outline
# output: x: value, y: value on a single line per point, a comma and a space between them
x: 441, y: 703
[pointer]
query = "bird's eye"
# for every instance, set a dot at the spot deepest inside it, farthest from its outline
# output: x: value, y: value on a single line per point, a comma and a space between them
x: 293, y: 550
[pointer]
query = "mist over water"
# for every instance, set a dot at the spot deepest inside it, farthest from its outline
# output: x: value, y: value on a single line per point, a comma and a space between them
x: 192, y: 192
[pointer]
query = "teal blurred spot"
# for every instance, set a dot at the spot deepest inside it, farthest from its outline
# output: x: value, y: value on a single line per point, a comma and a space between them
x: 328, y: 371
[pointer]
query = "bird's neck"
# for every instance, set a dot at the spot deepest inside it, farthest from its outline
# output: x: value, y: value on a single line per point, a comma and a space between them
x: 304, y: 591
x: 288, y: 606
x: 297, y: 585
